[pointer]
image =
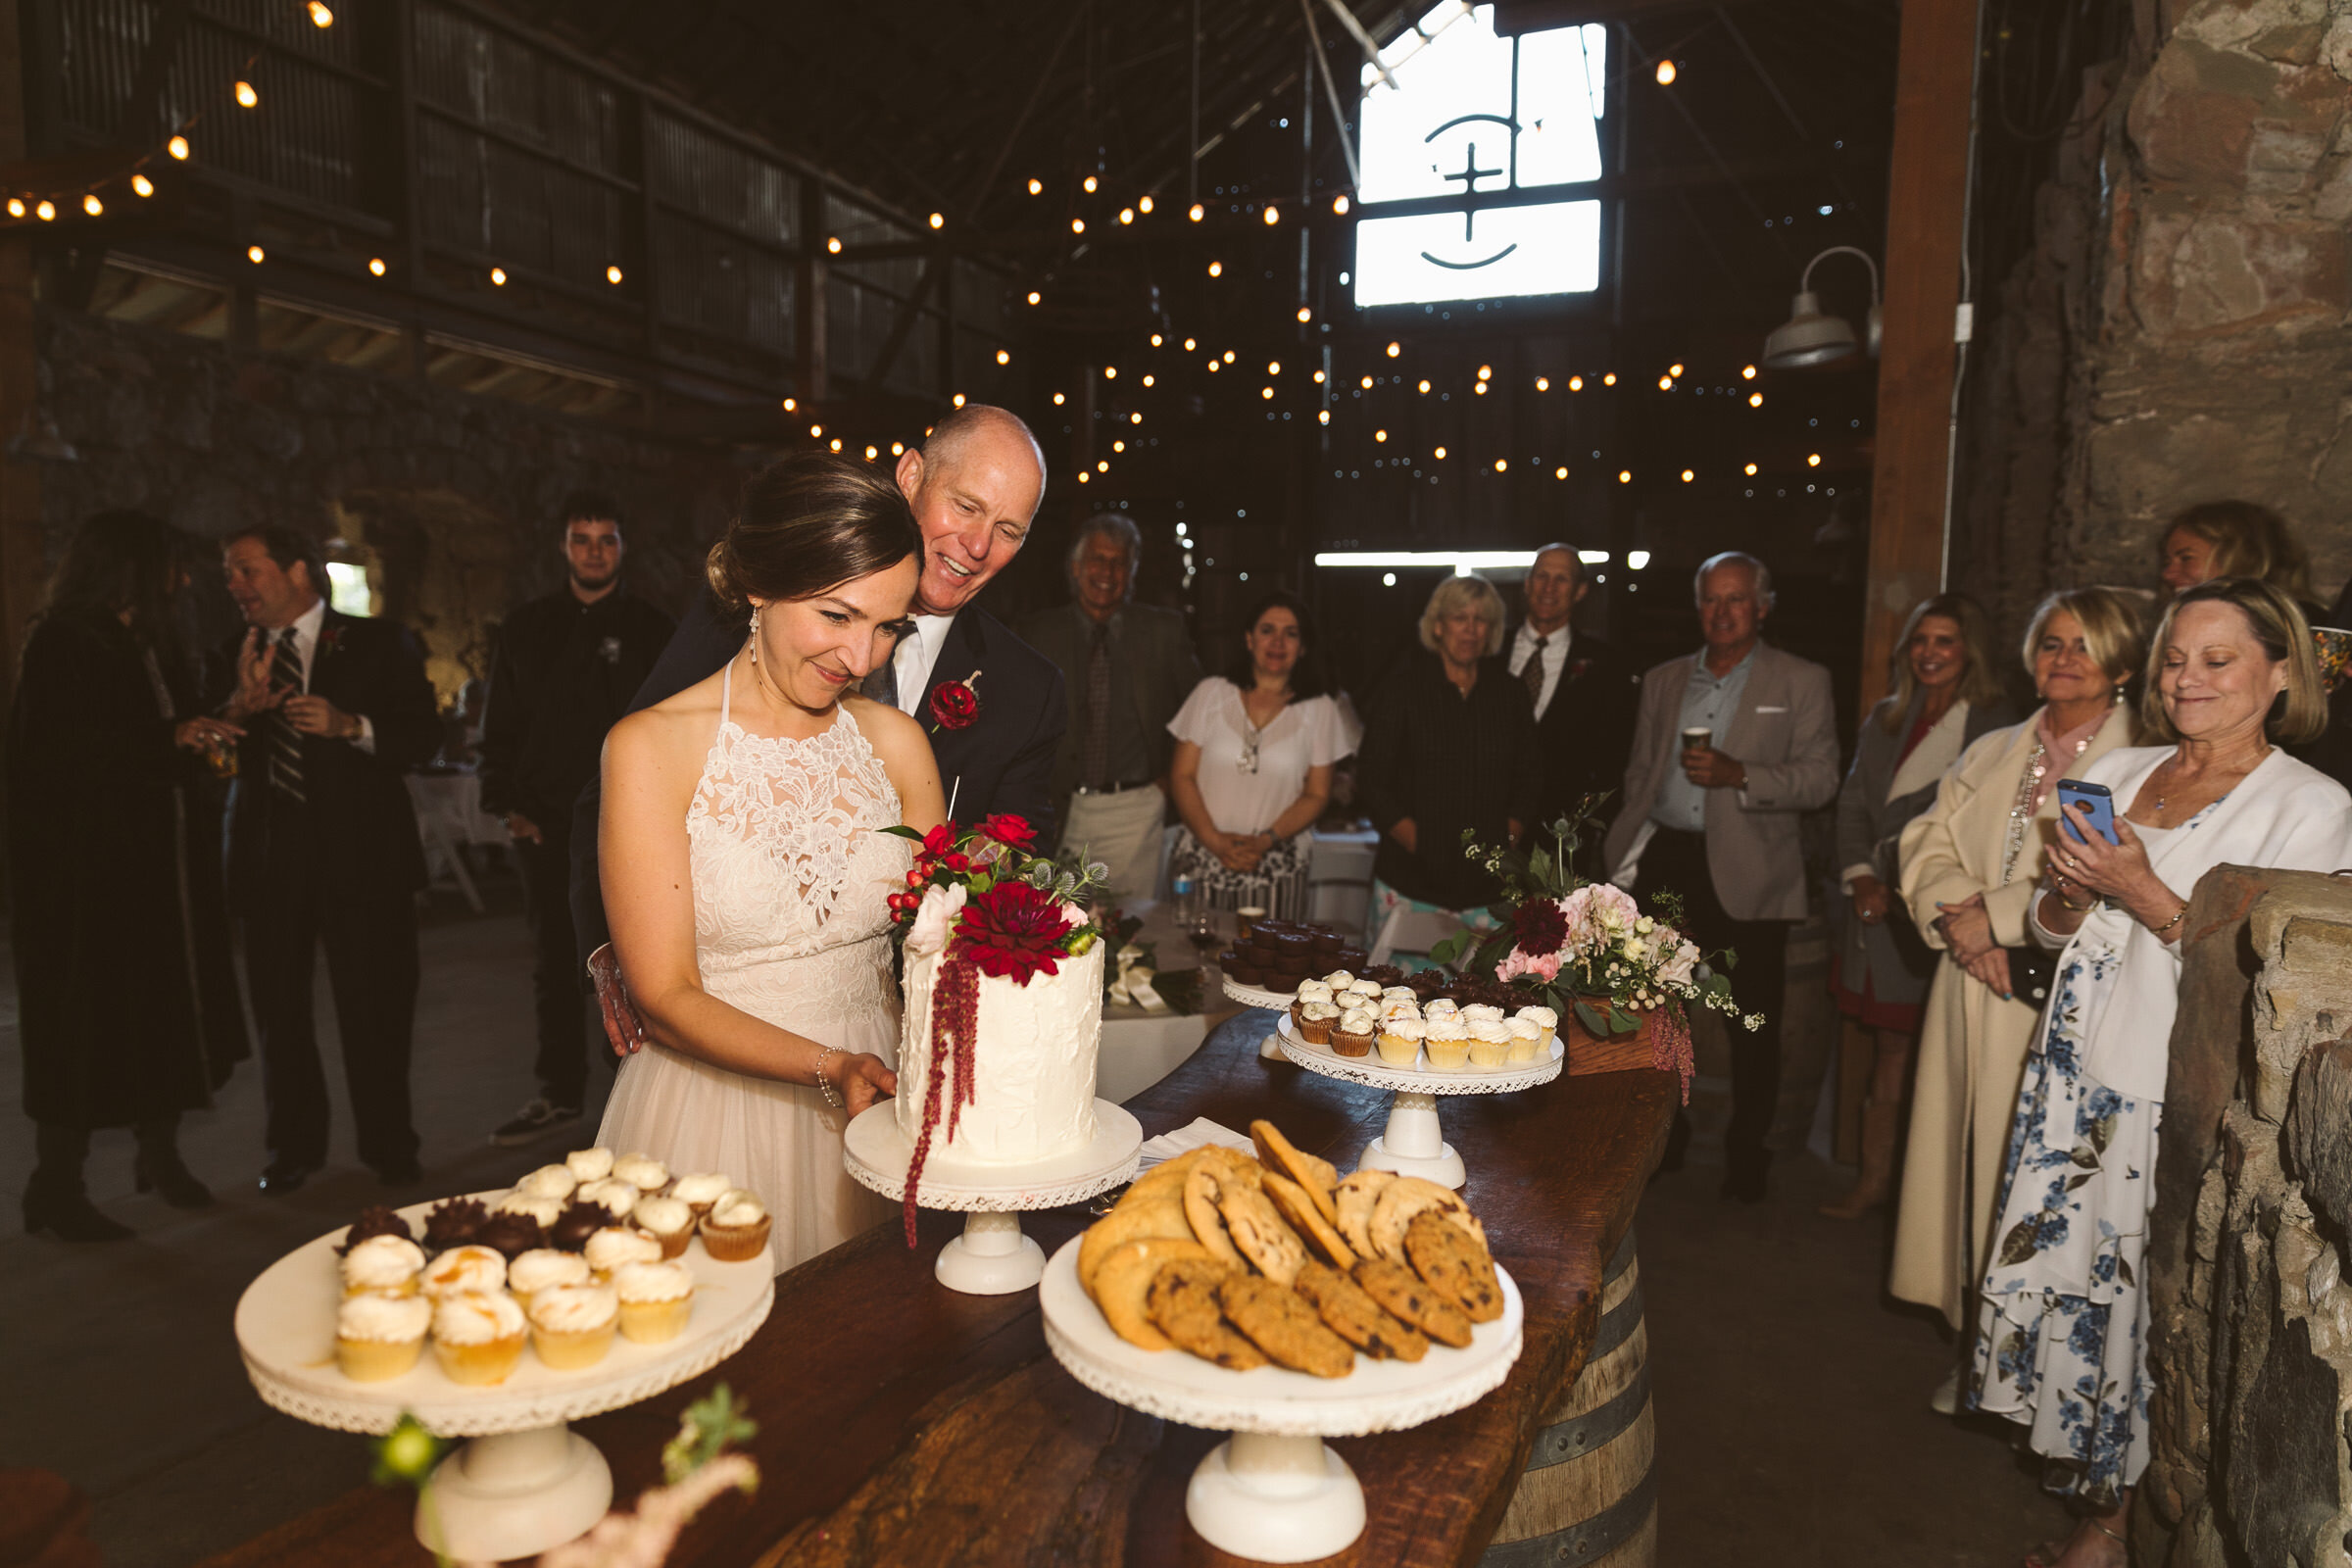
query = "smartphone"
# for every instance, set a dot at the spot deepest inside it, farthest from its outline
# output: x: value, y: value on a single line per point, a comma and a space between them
x: 2073, y: 792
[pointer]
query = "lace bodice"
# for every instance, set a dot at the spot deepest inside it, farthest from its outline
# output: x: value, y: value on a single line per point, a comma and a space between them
x: 791, y: 868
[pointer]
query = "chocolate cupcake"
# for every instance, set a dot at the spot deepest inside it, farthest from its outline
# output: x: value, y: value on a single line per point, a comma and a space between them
x: 375, y: 1220
x: 1350, y: 957
x: 1325, y: 942
x: 578, y: 1221
x: 1241, y: 972
x: 511, y: 1234
x: 452, y: 1222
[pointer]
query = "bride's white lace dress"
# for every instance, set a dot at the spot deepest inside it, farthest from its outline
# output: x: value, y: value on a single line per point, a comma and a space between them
x: 791, y: 870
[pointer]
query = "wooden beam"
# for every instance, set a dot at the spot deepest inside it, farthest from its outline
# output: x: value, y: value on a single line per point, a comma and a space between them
x: 1925, y: 229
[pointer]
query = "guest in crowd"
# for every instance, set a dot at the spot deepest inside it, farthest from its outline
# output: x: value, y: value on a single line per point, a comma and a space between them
x: 1731, y: 744
x: 1449, y: 743
x: 2060, y: 1343
x: 1127, y: 669
x: 1255, y: 753
x: 2233, y: 539
x: 1946, y: 694
x: 1586, y: 693
x: 323, y: 849
x: 991, y: 704
x: 1970, y: 862
x: 566, y: 666
x: 128, y: 1007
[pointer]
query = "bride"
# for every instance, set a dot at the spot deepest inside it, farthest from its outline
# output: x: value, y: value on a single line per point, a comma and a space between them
x: 744, y: 863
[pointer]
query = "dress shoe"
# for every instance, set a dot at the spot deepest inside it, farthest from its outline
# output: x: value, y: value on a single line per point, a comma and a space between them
x: 159, y: 1170
x: 407, y: 1173
x: 282, y: 1176
x: 69, y: 1216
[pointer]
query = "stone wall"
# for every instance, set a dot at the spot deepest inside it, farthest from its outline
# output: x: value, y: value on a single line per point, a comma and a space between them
x: 448, y: 498
x: 2179, y: 331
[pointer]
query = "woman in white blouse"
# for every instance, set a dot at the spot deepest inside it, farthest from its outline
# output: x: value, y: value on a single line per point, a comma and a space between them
x: 1255, y: 751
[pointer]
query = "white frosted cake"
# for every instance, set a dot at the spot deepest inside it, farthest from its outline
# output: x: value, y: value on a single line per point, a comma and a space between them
x: 1034, y: 1063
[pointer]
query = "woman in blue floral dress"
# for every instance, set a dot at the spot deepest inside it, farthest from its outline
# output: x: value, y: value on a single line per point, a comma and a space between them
x: 2061, y: 1342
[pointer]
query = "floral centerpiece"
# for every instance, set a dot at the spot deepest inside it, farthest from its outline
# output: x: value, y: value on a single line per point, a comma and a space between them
x: 981, y: 900
x: 1590, y: 952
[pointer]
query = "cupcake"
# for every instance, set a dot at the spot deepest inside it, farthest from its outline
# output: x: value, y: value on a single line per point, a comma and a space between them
x: 385, y: 1264
x: 578, y: 1222
x: 589, y: 1165
x: 699, y: 1190
x: 1546, y: 1022
x: 548, y: 1181
x: 376, y: 1220
x: 1402, y: 1008
x: 641, y: 1171
x: 1401, y: 994
x: 511, y: 1234
x: 1315, y: 1022
x: 541, y: 1211
x: 1448, y: 1044
x: 379, y: 1337
x: 668, y: 1220
x: 1482, y: 1012
x: 613, y: 1248
x: 614, y: 1195
x: 463, y: 1270
x: 656, y: 1298
x: 1490, y: 1045
x: 1526, y: 1041
x: 1338, y: 979
x: 1436, y: 1007
x: 477, y: 1336
x: 544, y: 1269
x: 571, y: 1325
x: 1352, y: 1036
x: 735, y: 1231
x: 1401, y: 1041
x: 452, y: 1222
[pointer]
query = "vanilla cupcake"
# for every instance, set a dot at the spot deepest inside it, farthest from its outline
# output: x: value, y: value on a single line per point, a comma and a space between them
x: 1401, y: 994
x: 385, y: 1264
x: 1339, y: 979
x: 612, y: 1194
x: 379, y: 1337
x: 609, y: 1250
x: 1353, y: 1034
x: 477, y: 1336
x: 1316, y: 1021
x: 1448, y: 1044
x: 571, y: 1325
x: 545, y: 1210
x: 1490, y: 1044
x: 1481, y: 1012
x: 1526, y: 1041
x: 465, y: 1270
x: 655, y: 1299
x: 589, y: 1165
x: 670, y: 1221
x: 543, y: 1268
x: 1314, y: 991
x: 1399, y: 1007
x: 548, y: 1181
x: 699, y: 1190
x: 1546, y: 1022
x: 641, y: 1171
x: 1401, y: 1041
x: 735, y: 1231
x: 1441, y: 1007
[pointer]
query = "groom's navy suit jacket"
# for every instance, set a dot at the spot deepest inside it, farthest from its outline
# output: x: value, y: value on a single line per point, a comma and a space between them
x: 1002, y: 762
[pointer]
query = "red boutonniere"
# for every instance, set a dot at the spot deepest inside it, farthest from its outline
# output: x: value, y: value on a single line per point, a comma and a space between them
x: 327, y: 638
x: 954, y: 704
x: 1577, y: 669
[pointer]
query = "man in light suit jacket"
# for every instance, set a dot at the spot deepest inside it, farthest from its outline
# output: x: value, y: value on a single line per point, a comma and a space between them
x: 1127, y: 667
x: 1717, y: 823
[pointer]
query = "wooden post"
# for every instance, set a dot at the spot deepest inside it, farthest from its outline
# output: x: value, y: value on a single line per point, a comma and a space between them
x: 22, y: 552
x: 1926, y: 228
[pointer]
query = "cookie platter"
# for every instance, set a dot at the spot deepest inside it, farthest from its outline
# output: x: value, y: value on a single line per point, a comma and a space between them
x: 1413, y: 1144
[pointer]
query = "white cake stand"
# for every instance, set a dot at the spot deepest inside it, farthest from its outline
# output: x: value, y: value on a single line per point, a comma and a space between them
x: 1273, y: 1491
x: 992, y: 1257
x: 526, y: 1481
x: 1259, y: 997
x: 1413, y: 1144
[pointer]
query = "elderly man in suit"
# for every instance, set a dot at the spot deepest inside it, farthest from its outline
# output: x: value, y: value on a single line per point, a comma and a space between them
x: 1127, y: 669
x: 1585, y: 692
x: 1731, y: 746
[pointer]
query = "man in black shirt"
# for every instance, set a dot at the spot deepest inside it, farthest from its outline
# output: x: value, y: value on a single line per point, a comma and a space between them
x: 565, y: 668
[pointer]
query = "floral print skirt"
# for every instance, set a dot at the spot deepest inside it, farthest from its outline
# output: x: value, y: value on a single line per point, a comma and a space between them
x: 2061, y: 1342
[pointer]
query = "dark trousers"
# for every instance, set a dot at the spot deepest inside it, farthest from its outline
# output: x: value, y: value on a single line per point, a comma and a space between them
x: 1678, y: 863
x: 369, y: 934
x: 59, y: 1150
x: 559, y: 985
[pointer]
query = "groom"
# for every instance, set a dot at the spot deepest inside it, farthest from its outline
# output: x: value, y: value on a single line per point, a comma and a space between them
x: 992, y: 704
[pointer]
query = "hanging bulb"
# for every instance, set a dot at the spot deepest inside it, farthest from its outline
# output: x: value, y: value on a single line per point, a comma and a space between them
x: 1323, y: 416
x: 1126, y: 214
x: 1665, y: 383
x: 498, y: 277
x: 91, y: 205
x: 1155, y: 340
x: 1543, y: 383
x: 1609, y: 380
x: 1077, y: 226
x: 1138, y: 418
x: 1089, y: 184
x: 1666, y: 73
x: 1229, y: 355
x: 177, y: 147
x: 16, y: 206
x: 1688, y: 477
x: 1034, y: 296
x: 1366, y: 383
x: 1305, y: 315
x: 247, y: 98
x: 1216, y: 269
x: 871, y: 453
x: 1675, y: 370
x: 833, y: 245
x: 1380, y: 435
x: 1118, y: 445
x: 1339, y: 205
x: 1036, y: 185
x: 1424, y: 389
x: 1812, y: 460
x: 1747, y: 372
x: 142, y: 185
x: 1143, y: 204
x: 1266, y: 391
x: 1190, y: 344
x: 1319, y: 378
x: 46, y: 212
x: 1273, y: 214
x: 376, y: 264
x: 320, y: 16
x: 1273, y: 366
x: 790, y: 403
x: 1441, y: 454
x: 1004, y: 356
x: 1751, y: 471
x: 1148, y: 380
x: 1755, y: 399
x: 836, y: 442
x: 1103, y: 466
x: 1059, y: 400
x: 1486, y: 372
x: 253, y: 253
x: 939, y: 219
x: 1110, y: 373
x: 613, y: 273
x: 1196, y: 213
x: 1560, y: 473
x: 898, y: 449
x: 1503, y: 465
x: 1625, y: 476
x: 1576, y: 383
x: 816, y: 432
x: 960, y: 400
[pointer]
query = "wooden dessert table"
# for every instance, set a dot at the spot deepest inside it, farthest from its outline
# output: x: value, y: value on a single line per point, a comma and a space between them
x: 902, y: 1423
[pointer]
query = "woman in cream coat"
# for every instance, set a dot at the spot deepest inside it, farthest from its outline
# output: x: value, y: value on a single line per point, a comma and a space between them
x: 1969, y: 867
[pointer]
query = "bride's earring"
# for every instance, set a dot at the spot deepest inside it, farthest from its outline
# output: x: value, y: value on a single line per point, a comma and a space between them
x: 754, y: 636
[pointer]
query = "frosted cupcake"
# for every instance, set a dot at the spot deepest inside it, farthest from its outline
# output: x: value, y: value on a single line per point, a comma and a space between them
x: 477, y: 1336
x: 1315, y: 1022
x: 1401, y: 1041
x: 1490, y: 1045
x: 641, y: 1171
x: 589, y: 1165
x: 1399, y: 1007
x: 615, y: 1196
x: 668, y: 1220
x: 1441, y: 1007
x: 1546, y: 1022
x: 387, y: 1264
x: 1481, y: 1012
x: 571, y: 1325
x: 656, y: 1300
x: 544, y: 1268
x: 699, y: 1190
x: 1353, y: 1034
x: 1401, y: 994
x: 548, y: 1181
x: 379, y: 1337
x: 465, y: 1270
x: 1448, y: 1044
x: 1314, y: 991
x: 735, y: 1231
x: 610, y: 1250
x: 1526, y: 1041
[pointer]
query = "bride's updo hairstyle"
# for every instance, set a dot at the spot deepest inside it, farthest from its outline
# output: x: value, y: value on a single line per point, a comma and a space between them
x: 808, y: 523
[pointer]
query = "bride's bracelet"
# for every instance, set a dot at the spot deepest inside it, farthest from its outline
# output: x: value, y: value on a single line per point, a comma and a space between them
x: 824, y: 1085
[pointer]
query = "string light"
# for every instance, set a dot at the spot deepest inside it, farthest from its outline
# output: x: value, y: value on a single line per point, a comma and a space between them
x: 1609, y: 380
x: 1229, y: 355
x: 1273, y: 366
x: 836, y: 442
x: 498, y: 277
x: 1196, y: 213
x: 1625, y: 476
x: 1688, y: 477
x: 1143, y: 204
x: 1486, y: 372
x: 791, y: 404
x: 1503, y: 465
x: 1480, y: 388
x: 1138, y: 418
x: 1380, y: 435
x: 1666, y: 73
x: 1118, y: 445
x: 1216, y: 269
x: 1089, y: 184
x: 91, y: 205
x: 1339, y: 205
x: 16, y: 206
x: 1273, y: 214
x: 1747, y: 372
x: 1305, y: 315
x: 1266, y: 391
x: 833, y: 244
x: 1110, y: 373
x: 1576, y: 383
x: 1191, y: 344
x: 1665, y: 383
x: 1751, y: 471
x: 1058, y: 400
x: 1084, y: 476
x: 1036, y: 185
x: 1214, y: 366
x: 871, y: 453
x: 142, y: 185
x: 1035, y: 298
x: 1323, y: 416
x: 1543, y: 383
x: 253, y: 253
x: 1366, y: 383
x: 1148, y: 380
x: 1004, y: 356
x: 1812, y: 460
x: 1425, y: 389
x: 1077, y: 226
x: 1755, y: 399
x: 320, y: 16
x: 376, y: 264
x: 1126, y: 214
x: 247, y: 98
x: 1395, y: 349
x: 1103, y: 466
x: 613, y: 273
x: 1319, y: 378
x: 1675, y: 370
x: 46, y: 212
x: 960, y: 400
x: 939, y: 219
x: 1155, y: 340
x: 177, y: 147
x: 898, y: 449
x: 1441, y: 454
x: 1560, y: 473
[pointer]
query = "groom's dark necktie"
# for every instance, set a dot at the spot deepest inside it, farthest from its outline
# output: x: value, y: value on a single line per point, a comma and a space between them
x: 285, y: 746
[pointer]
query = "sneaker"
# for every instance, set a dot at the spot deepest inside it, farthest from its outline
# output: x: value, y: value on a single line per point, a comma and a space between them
x: 536, y: 1117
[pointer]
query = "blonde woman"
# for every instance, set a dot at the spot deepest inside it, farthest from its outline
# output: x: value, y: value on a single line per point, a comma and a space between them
x: 1450, y: 743
x: 2233, y: 539
x: 1969, y: 865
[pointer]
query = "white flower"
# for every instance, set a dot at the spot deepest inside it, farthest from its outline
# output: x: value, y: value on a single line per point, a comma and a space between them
x: 1679, y: 967
x: 935, y: 919
x: 1645, y: 925
x: 1634, y: 948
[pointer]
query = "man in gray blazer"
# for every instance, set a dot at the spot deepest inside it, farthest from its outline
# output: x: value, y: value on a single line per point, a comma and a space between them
x: 1713, y: 817
x: 1127, y: 669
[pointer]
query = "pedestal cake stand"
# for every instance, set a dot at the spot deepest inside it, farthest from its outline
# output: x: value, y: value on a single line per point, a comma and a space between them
x: 1273, y: 1491
x: 992, y: 1257
x: 526, y: 1481
x: 1259, y: 997
x: 1413, y: 1144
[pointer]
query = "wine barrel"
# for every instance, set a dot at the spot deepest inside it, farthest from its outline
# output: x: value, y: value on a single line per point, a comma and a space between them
x: 1589, y: 1496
